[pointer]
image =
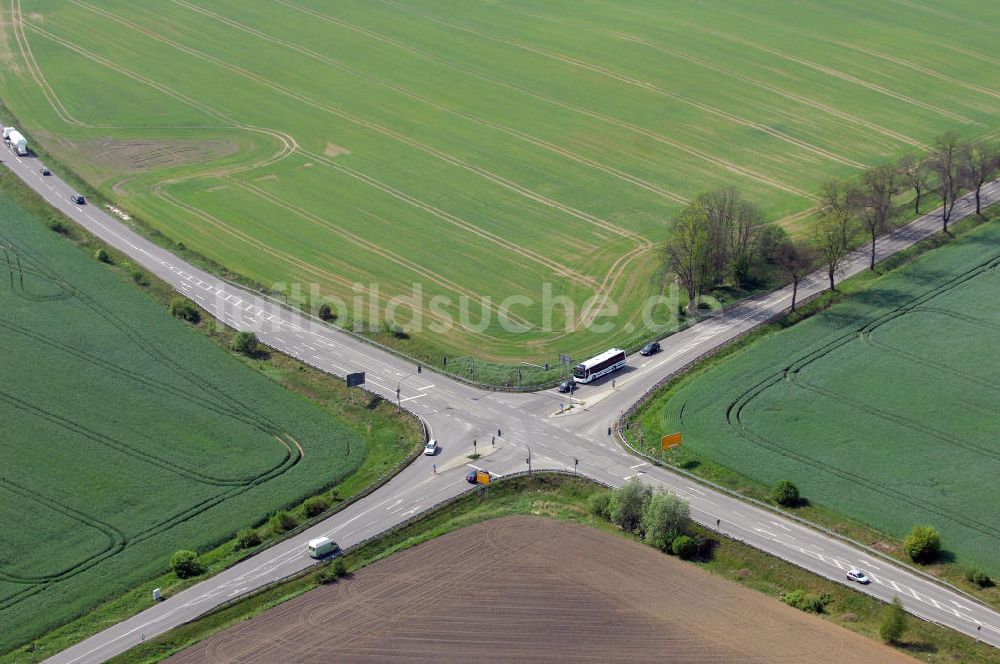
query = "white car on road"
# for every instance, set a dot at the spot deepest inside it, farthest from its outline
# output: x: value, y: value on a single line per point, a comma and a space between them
x: 859, y: 576
x: 431, y: 448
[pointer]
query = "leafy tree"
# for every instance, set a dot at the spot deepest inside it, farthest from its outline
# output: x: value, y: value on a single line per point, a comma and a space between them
x: 689, y: 253
x: 684, y: 547
x: 247, y: 538
x: 892, y: 622
x: 664, y: 519
x: 326, y: 313
x: 315, y: 506
x: 102, y: 255
x: 923, y: 544
x: 625, y: 509
x: 184, y: 309
x: 785, y: 493
x: 944, y: 162
x: 185, y: 564
x: 245, y: 342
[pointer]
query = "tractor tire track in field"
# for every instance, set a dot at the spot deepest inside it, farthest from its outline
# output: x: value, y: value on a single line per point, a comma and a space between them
x: 378, y: 250
x: 735, y: 419
x: 16, y: 273
x: 310, y: 268
x: 601, y: 117
x: 829, y: 71
x: 643, y: 85
x: 115, y: 538
x: 387, y: 132
x: 524, y: 136
x: 706, y: 64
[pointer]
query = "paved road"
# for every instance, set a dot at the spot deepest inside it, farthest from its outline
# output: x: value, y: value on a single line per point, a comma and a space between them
x: 528, y: 424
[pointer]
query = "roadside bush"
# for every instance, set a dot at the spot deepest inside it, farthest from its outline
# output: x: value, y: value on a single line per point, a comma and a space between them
x: 326, y: 313
x: 315, y: 506
x: 627, y: 505
x: 923, y: 544
x: 333, y: 572
x: 184, y: 309
x: 245, y: 343
x: 58, y: 225
x: 664, y: 519
x: 138, y: 277
x: 978, y: 577
x: 283, y: 521
x: 684, y: 547
x: 247, y: 538
x: 102, y: 255
x: 185, y: 564
x: 598, y: 503
x: 398, y: 332
x: 785, y: 493
x: 803, y: 601
x: 892, y: 622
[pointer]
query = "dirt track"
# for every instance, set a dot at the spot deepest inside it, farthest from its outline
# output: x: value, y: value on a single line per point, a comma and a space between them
x: 532, y: 590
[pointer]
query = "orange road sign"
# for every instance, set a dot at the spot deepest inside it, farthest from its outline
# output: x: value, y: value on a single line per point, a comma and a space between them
x: 671, y: 441
x: 482, y: 477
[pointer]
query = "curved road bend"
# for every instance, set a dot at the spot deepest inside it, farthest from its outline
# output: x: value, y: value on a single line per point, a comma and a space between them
x: 458, y: 413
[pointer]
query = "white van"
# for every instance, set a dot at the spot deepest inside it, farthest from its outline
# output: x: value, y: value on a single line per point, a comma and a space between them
x: 322, y: 546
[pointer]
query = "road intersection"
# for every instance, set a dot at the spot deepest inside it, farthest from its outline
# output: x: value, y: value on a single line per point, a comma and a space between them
x: 521, y: 426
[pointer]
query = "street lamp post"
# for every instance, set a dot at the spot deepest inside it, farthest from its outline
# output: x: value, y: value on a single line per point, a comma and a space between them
x: 528, y: 460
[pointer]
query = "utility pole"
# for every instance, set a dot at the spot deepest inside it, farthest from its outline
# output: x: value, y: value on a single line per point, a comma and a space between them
x: 528, y: 460
x: 576, y: 462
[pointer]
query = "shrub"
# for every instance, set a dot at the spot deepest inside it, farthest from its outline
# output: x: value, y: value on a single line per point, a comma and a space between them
x: 184, y: 309
x: 185, y: 564
x: 315, y: 506
x: 923, y: 544
x: 598, y: 503
x: 785, y: 493
x: 803, y: 601
x: 331, y: 573
x: 56, y: 224
x: 102, y: 255
x: 627, y: 505
x: 339, y: 568
x: 247, y: 538
x: 283, y: 521
x: 664, y: 519
x: 684, y: 547
x: 138, y: 277
x: 245, y: 342
x: 326, y: 313
x: 892, y: 622
x: 398, y: 332
x: 978, y: 577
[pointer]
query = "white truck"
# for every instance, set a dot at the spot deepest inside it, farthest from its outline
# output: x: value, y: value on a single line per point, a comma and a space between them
x: 6, y: 134
x: 321, y: 546
x: 18, y: 143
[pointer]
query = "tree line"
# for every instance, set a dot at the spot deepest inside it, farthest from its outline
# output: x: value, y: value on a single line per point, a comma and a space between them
x: 723, y: 238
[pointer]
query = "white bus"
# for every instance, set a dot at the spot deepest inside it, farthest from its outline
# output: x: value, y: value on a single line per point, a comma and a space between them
x: 600, y: 365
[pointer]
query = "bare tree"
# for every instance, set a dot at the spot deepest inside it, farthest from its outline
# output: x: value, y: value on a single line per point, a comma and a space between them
x: 840, y: 197
x: 796, y: 260
x: 690, y: 252
x: 944, y: 162
x: 915, y: 171
x: 876, y: 209
x: 831, y: 238
x: 734, y: 224
x: 977, y: 165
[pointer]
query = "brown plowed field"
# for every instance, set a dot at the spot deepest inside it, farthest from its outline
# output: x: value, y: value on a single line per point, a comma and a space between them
x: 533, y: 590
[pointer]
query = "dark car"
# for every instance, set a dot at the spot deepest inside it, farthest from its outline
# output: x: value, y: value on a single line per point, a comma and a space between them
x: 78, y: 199
x: 44, y: 170
x: 470, y: 477
x: 650, y: 348
x: 567, y: 386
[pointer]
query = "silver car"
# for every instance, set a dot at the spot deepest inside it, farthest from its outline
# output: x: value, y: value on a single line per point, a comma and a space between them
x: 431, y: 448
x: 859, y: 576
